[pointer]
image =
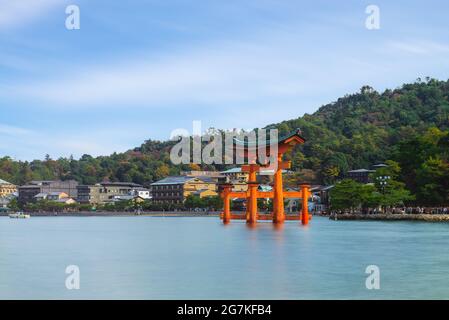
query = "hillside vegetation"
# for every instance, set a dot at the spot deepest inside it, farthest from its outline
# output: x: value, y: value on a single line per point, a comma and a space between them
x: 408, y: 124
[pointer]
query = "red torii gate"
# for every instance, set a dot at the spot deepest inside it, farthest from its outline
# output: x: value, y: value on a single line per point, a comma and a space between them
x: 278, y: 194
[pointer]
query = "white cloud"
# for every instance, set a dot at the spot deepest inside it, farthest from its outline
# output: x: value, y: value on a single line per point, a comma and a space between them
x: 263, y: 69
x: 419, y: 47
x: 19, y: 12
x: 27, y: 144
x: 12, y: 130
x: 224, y: 74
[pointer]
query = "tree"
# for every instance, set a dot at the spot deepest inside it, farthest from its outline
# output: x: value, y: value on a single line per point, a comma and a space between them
x: 392, y: 192
x: 193, y: 201
x: 349, y: 194
x: 213, y: 202
x: 162, y: 171
x: 395, y: 194
x: 13, y: 204
x: 346, y: 195
x: 433, y: 182
x: 370, y: 197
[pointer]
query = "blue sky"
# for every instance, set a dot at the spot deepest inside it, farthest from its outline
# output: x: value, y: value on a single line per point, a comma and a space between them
x: 140, y: 69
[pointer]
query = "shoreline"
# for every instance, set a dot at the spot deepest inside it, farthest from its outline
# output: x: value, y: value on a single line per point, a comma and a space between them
x: 120, y: 214
x: 335, y: 217
x: 391, y: 217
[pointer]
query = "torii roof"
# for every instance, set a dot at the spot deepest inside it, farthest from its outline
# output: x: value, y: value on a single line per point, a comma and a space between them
x: 295, y: 135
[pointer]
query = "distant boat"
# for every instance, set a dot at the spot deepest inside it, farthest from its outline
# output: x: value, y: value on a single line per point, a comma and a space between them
x: 19, y: 215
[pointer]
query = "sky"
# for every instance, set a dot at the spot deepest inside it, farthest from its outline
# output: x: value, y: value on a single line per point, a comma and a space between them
x: 137, y: 70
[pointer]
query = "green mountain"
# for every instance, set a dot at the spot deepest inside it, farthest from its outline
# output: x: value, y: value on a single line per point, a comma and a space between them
x: 361, y: 129
x: 356, y: 131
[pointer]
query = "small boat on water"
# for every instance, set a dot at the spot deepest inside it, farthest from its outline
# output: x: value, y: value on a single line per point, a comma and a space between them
x: 19, y: 215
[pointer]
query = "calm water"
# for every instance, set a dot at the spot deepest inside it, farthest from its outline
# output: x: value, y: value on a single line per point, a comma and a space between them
x: 199, y: 258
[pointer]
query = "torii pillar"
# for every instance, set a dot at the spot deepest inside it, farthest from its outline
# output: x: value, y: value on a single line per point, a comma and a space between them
x: 278, y: 193
x: 305, y: 189
x: 251, y: 200
x: 252, y: 204
x: 226, y: 192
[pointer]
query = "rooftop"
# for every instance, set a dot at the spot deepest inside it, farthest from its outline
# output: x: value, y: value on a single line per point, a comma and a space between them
x: 118, y: 184
x: 232, y: 170
x: 286, y: 138
x: 180, y: 180
x: 41, y: 195
x: 261, y: 171
x: 55, y: 193
x: 265, y: 187
x: 199, y: 192
x: 29, y: 186
x: 360, y: 171
x: 4, y: 182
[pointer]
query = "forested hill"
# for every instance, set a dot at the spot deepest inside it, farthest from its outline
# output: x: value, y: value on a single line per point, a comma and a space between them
x: 361, y: 129
x: 356, y: 131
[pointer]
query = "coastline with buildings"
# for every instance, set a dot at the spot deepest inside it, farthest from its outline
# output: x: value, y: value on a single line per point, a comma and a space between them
x: 192, y: 193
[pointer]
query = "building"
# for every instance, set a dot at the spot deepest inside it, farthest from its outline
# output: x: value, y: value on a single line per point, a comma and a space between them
x: 360, y: 175
x: 110, y: 191
x: 238, y: 179
x: 6, y: 188
x: 141, y: 192
x: 204, y: 173
x: 235, y: 174
x: 176, y: 189
x: 60, y: 197
x: 54, y: 196
x: 138, y: 194
x: 4, y: 201
x: 89, y: 194
x: 136, y: 199
x: 324, y: 195
x: 65, y: 201
x: 51, y: 196
x: 28, y: 192
x: 379, y: 166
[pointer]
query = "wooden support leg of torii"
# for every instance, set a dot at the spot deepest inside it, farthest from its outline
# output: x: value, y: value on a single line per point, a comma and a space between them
x: 304, y: 215
x: 251, y: 199
x: 252, y: 203
x: 278, y: 191
x: 227, y: 188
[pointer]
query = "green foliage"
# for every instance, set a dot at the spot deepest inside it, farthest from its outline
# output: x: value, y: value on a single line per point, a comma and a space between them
x: 347, y: 194
x: 211, y: 202
x: 193, y: 202
x: 352, y: 195
x: 13, y: 204
x: 361, y: 129
x: 50, y: 206
x: 433, y: 181
x: 214, y: 202
x: 425, y: 166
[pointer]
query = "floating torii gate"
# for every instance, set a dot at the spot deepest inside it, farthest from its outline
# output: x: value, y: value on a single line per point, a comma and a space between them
x: 278, y: 194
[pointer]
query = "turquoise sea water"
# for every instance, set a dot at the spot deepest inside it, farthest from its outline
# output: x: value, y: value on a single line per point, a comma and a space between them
x: 199, y: 258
